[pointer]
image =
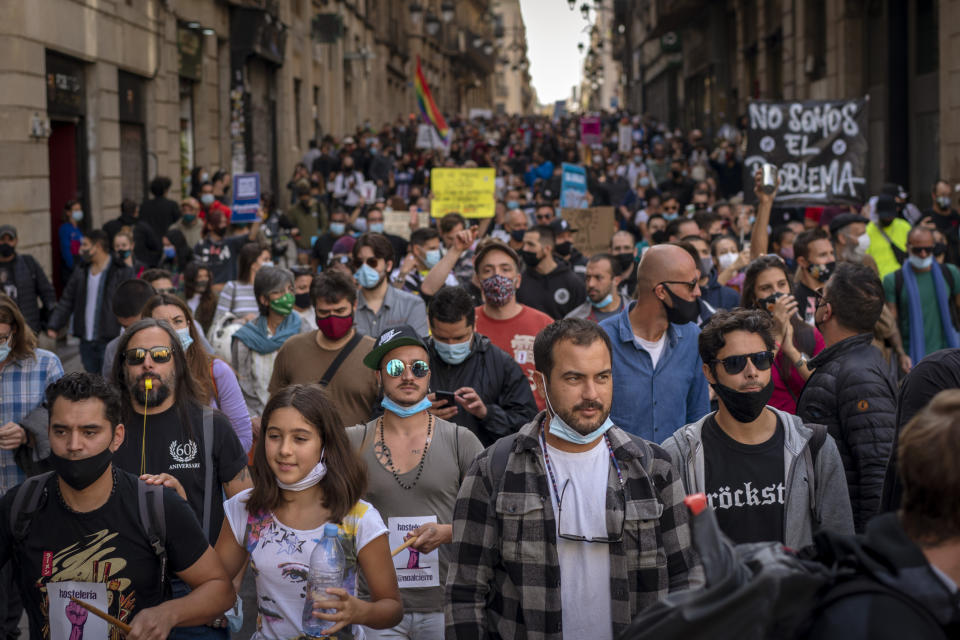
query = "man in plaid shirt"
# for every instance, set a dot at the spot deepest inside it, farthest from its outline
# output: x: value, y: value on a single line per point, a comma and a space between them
x: 576, y: 527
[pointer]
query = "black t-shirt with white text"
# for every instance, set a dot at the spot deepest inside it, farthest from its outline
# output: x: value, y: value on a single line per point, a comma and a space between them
x: 745, y: 484
x: 106, y: 545
x: 177, y: 448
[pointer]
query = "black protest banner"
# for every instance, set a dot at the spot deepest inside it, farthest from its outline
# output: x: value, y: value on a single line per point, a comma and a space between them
x: 819, y: 147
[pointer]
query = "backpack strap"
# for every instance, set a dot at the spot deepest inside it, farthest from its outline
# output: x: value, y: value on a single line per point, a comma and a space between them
x: 863, y: 585
x: 208, y: 467
x: 26, y: 503
x: 499, y: 455
x: 153, y: 522
x: 344, y: 352
x: 814, y: 445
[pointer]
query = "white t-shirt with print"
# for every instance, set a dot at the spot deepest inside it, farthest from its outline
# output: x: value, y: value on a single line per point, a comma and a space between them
x: 280, y: 557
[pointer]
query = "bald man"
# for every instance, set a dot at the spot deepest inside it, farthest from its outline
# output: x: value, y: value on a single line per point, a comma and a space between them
x: 515, y: 225
x: 657, y: 382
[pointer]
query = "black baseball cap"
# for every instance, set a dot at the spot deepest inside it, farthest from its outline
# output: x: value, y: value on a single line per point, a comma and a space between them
x: 559, y: 225
x: 390, y: 339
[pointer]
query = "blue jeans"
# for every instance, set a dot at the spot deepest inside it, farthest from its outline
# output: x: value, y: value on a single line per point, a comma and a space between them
x: 202, y: 632
x: 91, y: 355
x: 414, y: 626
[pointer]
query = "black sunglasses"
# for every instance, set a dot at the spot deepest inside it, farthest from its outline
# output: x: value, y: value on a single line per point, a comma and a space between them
x: 921, y: 251
x: 689, y: 285
x: 418, y: 368
x: 160, y: 355
x: 578, y: 538
x: 370, y: 262
x: 762, y: 360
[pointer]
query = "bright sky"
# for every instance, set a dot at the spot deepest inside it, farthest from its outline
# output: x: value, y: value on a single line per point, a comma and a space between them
x: 553, y: 32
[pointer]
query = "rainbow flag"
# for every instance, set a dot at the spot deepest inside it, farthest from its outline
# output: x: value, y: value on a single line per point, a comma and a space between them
x: 428, y: 108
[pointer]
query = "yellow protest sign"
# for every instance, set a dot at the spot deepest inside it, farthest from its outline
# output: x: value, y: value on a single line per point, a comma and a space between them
x: 468, y: 192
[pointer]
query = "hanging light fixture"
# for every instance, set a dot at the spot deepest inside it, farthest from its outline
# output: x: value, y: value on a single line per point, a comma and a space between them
x: 488, y: 47
x: 447, y: 11
x: 433, y: 24
x: 572, y: 4
x: 585, y: 11
x: 477, y: 42
x: 580, y: 46
x: 416, y: 11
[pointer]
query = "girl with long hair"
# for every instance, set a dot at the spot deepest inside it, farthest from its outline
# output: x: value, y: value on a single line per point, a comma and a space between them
x: 198, y: 292
x: 214, y: 378
x: 306, y: 475
x: 767, y: 285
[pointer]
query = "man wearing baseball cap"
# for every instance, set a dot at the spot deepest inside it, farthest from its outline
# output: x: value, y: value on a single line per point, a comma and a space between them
x: 563, y: 247
x: 22, y: 278
x: 415, y: 464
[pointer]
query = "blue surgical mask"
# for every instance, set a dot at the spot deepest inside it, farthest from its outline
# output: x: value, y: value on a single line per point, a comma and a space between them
x: 376, y: 227
x: 170, y: 252
x: 338, y: 228
x: 669, y: 217
x: 367, y: 277
x: 4, y: 352
x: 453, y: 353
x: 431, y: 258
x: 185, y: 339
x: 513, y: 204
x: 562, y: 430
x: 604, y: 302
x: 920, y: 263
x: 405, y: 412
x: 77, y: 215
x: 207, y: 199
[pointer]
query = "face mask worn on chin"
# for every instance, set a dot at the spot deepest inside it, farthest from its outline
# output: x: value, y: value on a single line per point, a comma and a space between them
x: 920, y: 263
x: 564, y: 248
x: 367, y: 277
x: 600, y: 305
x: 559, y: 428
x: 313, y: 477
x: 682, y: 311
x: 283, y: 305
x: 405, y: 412
x: 453, y: 353
x: 744, y: 406
x: 498, y: 289
x: 185, y: 339
x: 822, y: 272
x: 335, y: 327
x: 80, y: 474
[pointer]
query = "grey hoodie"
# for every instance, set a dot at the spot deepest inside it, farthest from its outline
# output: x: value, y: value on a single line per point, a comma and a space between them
x: 824, y: 499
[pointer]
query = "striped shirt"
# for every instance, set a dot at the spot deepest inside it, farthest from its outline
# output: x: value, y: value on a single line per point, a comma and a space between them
x: 237, y: 298
x: 22, y: 384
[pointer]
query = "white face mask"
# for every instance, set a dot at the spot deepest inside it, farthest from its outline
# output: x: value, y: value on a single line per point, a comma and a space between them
x: 727, y: 259
x: 312, y: 478
x: 863, y: 242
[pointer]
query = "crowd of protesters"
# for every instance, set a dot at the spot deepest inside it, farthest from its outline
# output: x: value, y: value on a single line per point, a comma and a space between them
x: 539, y: 413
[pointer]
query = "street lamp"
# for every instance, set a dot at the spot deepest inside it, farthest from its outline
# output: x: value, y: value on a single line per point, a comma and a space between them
x: 433, y: 24
x: 572, y: 4
x: 585, y: 11
x: 477, y: 42
x: 580, y: 46
x: 447, y: 11
x: 415, y: 12
x: 488, y: 47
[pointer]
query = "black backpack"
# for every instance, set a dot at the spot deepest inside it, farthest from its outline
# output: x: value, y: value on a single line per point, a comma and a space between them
x: 33, y: 492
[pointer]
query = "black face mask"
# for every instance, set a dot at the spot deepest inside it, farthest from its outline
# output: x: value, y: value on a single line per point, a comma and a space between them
x: 767, y: 303
x: 302, y: 300
x: 6, y: 250
x: 939, y: 249
x: 517, y: 235
x: 660, y: 236
x: 80, y: 474
x: 822, y: 272
x: 529, y: 258
x: 682, y: 311
x: 744, y: 406
x: 625, y: 260
x: 564, y: 248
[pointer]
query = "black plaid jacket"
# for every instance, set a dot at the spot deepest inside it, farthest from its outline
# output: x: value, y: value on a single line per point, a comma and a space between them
x: 504, y: 580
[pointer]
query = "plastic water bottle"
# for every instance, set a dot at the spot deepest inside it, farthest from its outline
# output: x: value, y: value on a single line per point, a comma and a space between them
x: 326, y: 571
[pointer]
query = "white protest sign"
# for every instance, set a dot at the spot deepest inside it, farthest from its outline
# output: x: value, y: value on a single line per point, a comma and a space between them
x: 70, y: 621
x: 414, y: 569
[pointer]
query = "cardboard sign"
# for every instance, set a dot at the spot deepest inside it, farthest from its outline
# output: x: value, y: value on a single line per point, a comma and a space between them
x: 469, y: 192
x: 590, y: 130
x: 625, y: 138
x: 414, y: 569
x: 595, y: 228
x: 573, y: 186
x: 397, y: 222
x: 246, y: 197
x: 70, y: 621
x: 819, y: 147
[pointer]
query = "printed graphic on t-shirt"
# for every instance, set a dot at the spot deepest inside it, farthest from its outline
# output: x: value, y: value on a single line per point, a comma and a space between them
x: 184, y: 455
x: 746, y: 496
x: 70, y: 621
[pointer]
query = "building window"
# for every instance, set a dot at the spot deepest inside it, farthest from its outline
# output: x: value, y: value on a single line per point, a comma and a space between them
x: 815, y: 21
x: 927, y: 40
x: 296, y: 111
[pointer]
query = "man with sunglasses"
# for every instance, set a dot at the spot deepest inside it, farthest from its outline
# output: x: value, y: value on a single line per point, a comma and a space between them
x: 571, y: 527
x: 923, y: 297
x: 173, y: 439
x: 380, y: 305
x: 545, y: 214
x: 657, y: 383
x: 851, y: 390
x: 415, y: 464
x: 768, y: 476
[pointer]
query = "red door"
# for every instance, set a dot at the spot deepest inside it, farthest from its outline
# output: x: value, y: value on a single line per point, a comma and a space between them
x: 62, y: 149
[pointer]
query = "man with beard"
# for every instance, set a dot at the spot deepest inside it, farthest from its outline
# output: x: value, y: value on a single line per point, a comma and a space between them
x: 816, y: 262
x: 571, y: 476
x: 603, y: 278
x: 415, y: 464
x: 380, y: 305
x: 174, y: 437
x: 548, y: 285
x: 850, y: 237
x: 87, y: 536
x: 751, y: 459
